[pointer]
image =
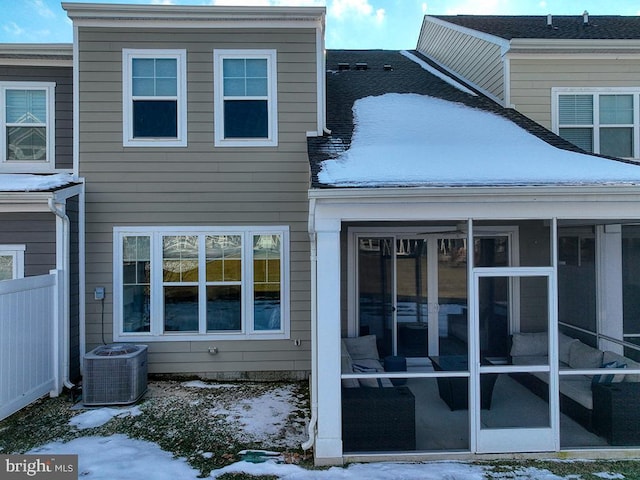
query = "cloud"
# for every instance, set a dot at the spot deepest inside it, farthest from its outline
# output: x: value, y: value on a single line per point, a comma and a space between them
x: 42, y: 9
x: 424, y: 8
x: 266, y: 3
x: 355, y: 10
x: 473, y: 7
x: 13, y: 29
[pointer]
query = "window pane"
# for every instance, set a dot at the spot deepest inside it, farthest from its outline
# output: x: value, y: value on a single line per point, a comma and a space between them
x: 6, y: 267
x: 180, y: 258
x: 257, y: 68
x: 143, y: 87
x: 224, y: 308
x: 266, y: 282
x: 26, y: 143
x: 26, y: 106
x: 616, y: 109
x: 246, y: 119
x: 166, y: 68
x: 617, y: 142
x: 181, y: 309
x: 166, y: 87
x: 576, y: 109
x: 155, y: 119
x: 143, y: 67
x: 580, y: 137
x: 154, y: 77
x: 224, y: 258
x: 136, y: 274
x: 257, y: 87
x: 233, y: 67
x: 234, y: 87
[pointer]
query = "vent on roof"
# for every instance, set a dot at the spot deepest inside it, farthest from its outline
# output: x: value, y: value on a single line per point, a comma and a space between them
x: 361, y: 66
x: 549, y: 21
x: 343, y: 66
x: 387, y: 67
x: 585, y: 18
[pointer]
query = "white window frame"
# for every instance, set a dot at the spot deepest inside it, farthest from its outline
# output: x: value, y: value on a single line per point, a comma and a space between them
x: 272, y: 98
x: 32, y: 166
x: 128, y: 55
x: 595, y: 92
x: 157, y: 332
x: 17, y: 253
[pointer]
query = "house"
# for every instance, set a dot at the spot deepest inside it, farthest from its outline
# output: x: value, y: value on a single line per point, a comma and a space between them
x: 192, y: 126
x: 575, y: 75
x: 40, y: 203
x: 472, y: 274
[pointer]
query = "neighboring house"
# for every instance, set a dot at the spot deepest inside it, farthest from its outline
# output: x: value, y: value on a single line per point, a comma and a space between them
x: 192, y: 127
x: 491, y: 257
x: 575, y: 75
x: 40, y: 198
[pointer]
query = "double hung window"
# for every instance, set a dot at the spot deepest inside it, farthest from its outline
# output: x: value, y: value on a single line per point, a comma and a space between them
x: 154, y: 89
x: 245, y: 89
x: 11, y: 261
x: 27, y: 124
x: 603, y: 121
x: 226, y: 282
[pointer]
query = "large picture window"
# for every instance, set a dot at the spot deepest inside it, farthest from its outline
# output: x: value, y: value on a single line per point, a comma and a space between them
x: 603, y: 121
x: 154, y: 89
x: 27, y: 125
x: 245, y: 88
x: 227, y: 282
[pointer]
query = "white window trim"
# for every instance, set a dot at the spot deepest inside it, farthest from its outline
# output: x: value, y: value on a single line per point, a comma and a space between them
x: 21, y: 166
x: 17, y: 252
x: 128, y: 140
x: 156, y: 308
x: 596, y: 92
x: 272, y: 102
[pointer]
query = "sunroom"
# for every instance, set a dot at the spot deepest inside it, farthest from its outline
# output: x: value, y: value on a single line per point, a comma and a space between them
x: 479, y: 305
x: 489, y: 333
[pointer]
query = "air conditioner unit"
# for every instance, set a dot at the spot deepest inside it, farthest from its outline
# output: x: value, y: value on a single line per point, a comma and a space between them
x: 114, y: 374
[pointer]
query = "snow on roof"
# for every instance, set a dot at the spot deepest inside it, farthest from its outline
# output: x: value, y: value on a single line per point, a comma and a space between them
x: 417, y: 140
x: 23, y: 182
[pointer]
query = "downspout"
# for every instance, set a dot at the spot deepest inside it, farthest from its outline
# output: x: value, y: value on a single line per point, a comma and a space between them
x: 65, y: 284
x: 314, y: 331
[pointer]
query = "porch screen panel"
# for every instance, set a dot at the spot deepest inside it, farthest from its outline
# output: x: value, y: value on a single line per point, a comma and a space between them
x: 180, y: 283
x: 631, y: 288
x: 136, y: 283
x: 375, y: 290
x: 267, y: 287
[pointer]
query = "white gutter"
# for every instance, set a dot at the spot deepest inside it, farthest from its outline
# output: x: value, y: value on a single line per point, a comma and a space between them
x: 63, y: 264
x: 314, y: 331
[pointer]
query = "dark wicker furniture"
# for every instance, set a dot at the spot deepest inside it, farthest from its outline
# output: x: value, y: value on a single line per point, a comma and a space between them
x: 616, y: 415
x: 455, y: 390
x: 378, y: 419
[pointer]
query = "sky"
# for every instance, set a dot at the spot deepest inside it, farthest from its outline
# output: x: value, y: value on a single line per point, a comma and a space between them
x: 351, y: 24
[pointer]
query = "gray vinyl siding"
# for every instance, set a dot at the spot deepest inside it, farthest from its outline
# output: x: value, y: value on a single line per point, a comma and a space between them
x: 198, y: 184
x: 532, y: 80
x: 476, y: 60
x: 37, y: 231
x: 63, y: 78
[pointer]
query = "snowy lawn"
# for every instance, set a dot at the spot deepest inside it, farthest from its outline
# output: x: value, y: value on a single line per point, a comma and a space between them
x: 188, y: 430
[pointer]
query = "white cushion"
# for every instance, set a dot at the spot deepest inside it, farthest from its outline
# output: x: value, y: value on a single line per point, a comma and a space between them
x: 530, y: 344
x: 346, y: 364
x: 584, y: 356
x: 564, y: 345
x: 371, y: 366
x: 362, y: 347
x: 609, y: 357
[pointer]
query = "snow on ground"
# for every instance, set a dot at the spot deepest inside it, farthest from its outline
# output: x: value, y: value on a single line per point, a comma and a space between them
x: 117, y: 456
x: 19, y: 182
x: 417, y: 140
x: 98, y: 417
x: 201, y: 384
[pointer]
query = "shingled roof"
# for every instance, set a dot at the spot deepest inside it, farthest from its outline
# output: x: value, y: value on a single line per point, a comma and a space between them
x: 599, y: 27
x: 355, y: 74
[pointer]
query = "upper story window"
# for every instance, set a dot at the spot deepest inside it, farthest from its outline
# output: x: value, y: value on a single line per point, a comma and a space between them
x: 28, y: 126
x: 245, y: 90
x: 154, y: 98
x: 194, y: 283
x: 11, y: 261
x: 604, y: 121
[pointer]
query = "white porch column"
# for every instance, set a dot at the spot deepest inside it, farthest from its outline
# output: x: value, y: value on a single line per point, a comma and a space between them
x: 610, y: 285
x: 328, y: 445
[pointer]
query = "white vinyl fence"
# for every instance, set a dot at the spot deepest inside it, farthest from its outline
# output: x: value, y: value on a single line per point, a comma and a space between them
x: 29, y: 341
